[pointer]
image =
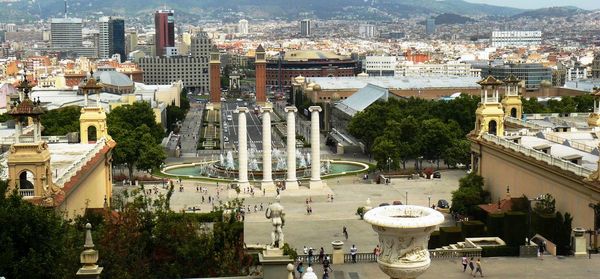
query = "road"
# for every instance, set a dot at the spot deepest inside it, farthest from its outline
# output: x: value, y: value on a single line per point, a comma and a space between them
x: 190, y: 129
x: 253, y: 125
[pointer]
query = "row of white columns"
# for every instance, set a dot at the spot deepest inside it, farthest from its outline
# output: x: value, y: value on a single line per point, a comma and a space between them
x: 291, y: 181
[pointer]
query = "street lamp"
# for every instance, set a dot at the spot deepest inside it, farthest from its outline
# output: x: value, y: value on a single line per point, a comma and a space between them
x: 406, y: 198
x: 429, y: 199
x: 389, y: 162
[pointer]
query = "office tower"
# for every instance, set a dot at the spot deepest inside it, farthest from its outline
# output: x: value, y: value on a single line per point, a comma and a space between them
x: 430, y: 26
x: 366, y: 30
x: 65, y: 32
x: 164, y: 24
x: 112, y: 37
x: 131, y: 41
x: 243, y: 27
x: 305, y: 28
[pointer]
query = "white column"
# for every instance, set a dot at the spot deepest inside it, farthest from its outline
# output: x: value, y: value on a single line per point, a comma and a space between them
x: 85, y: 100
x: 315, y: 149
x: 242, y: 148
x: 292, y: 181
x: 18, y: 131
x: 267, y: 182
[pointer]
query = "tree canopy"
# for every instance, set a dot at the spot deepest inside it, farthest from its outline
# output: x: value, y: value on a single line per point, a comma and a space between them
x: 567, y: 104
x: 59, y: 122
x: 469, y: 194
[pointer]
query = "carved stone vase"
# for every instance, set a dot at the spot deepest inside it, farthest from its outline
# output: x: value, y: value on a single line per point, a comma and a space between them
x: 404, y: 232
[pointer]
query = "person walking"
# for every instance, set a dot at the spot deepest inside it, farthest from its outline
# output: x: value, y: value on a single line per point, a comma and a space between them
x: 310, y: 256
x: 353, y: 251
x: 345, y: 232
x: 471, y: 265
x: 321, y: 255
x: 465, y: 262
x: 478, y: 268
x: 377, y: 251
x: 327, y: 264
x: 300, y: 269
x: 541, y: 250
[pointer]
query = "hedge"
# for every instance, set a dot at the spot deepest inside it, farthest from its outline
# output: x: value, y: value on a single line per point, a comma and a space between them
x: 495, y: 225
x: 450, y: 235
x: 473, y: 229
x: 434, y: 240
x: 500, y: 251
x: 544, y: 225
x: 515, y: 228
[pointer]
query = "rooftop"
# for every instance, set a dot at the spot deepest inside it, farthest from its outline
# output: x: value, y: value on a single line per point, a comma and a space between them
x: 417, y: 82
x: 306, y: 55
x: 362, y: 99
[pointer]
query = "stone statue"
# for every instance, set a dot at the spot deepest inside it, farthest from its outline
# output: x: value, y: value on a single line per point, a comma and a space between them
x: 275, y: 213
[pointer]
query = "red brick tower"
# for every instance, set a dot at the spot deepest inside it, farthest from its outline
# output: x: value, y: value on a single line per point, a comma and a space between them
x: 261, y: 76
x: 214, y: 74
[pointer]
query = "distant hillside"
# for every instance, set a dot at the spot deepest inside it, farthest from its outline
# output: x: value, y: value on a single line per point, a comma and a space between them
x: 566, y: 11
x: 447, y: 18
x: 267, y: 9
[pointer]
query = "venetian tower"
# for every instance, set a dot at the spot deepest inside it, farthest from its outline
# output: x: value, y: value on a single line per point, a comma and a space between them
x: 214, y: 75
x: 489, y: 116
x: 594, y: 118
x: 92, y: 122
x: 513, y: 107
x: 260, y: 63
x: 29, y: 158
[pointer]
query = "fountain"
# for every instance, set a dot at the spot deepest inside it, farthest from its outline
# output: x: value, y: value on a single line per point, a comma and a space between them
x: 404, y: 232
x: 253, y: 164
x: 221, y: 159
x: 229, y: 161
x: 308, y: 159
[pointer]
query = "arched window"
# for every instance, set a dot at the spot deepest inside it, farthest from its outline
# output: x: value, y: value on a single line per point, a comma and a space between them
x: 513, y: 112
x: 92, y: 134
x: 492, y: 127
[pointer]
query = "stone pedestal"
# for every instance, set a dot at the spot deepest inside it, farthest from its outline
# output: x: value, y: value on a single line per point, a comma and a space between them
x: 338, y: 252
x: 243, y: 147
x: 315, y: 149
x: 291, y: 182
x: 579, y: 243
x: 274, y: 264
x: 267, y: 181
x: 404, y: 232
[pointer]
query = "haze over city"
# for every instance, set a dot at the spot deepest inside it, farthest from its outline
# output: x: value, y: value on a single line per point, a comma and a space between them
x: 261, y: 139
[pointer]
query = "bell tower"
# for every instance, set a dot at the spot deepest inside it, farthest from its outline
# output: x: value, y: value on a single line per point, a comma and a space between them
x: 29, y: 157
x: 513, y: 107
x: 260, y: 63
x: 489, y: 116
x: 92, y: 122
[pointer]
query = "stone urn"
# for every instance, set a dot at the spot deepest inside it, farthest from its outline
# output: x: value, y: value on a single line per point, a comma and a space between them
x: 404, y: 232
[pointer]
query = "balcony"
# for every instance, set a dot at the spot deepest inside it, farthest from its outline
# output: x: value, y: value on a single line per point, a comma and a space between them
x: 27, y: 193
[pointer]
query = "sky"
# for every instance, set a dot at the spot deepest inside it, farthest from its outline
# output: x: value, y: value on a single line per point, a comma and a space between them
x: 536, y: 4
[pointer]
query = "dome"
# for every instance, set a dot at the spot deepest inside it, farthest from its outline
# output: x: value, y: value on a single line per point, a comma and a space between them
x: 363, y: 74
x: 299, y: 79
x: 310, y: 86
x: 316, y: 87
x: 546, y: 83
x: 113, y: 78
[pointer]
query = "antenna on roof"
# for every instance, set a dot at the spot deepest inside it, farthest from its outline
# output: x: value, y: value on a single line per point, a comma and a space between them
x: 65, y: 8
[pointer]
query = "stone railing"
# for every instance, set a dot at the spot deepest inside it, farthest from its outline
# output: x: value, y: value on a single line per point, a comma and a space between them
x: 576, y: 145
x: 360, y: 258
x: 551, y: 160
x: 26, y: 192
x: 455, y: 253
x: 524, y: 123
x: 73, y: 169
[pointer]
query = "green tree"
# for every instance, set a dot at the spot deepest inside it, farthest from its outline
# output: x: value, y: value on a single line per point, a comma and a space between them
x: 132, y: 116
x: 151, y: 155
x: 383, y: 149
x: 457, y: 153
x: 435, y: 138
x: 584, y: 103
x: 468, y: 195
x: 35, y: 242
x: 532, y: 105
x: 61, y: 121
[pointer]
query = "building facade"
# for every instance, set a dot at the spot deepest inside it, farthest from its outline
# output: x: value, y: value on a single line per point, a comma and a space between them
x: 164, y: 25
x: 243, y: 27
x: 366, y: 31
x: 305, y: 28
x: 66, y: 32
x: 531, y: 73
x: 516, y: 38
x: 596, y: 66
x: 380, y: 65
x: 308, y: 63
x: 432, y: 70
x: 430, y: 26
x: 111, y: 37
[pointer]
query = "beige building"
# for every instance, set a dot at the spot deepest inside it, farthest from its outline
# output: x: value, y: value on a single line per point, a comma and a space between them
x: 537, y: 154
x: 65, y: 176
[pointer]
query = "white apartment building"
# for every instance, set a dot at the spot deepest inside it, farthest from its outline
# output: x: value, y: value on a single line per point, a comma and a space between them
x: 366, y: 31
x: 243, y: 27
x: 380, y: 65
x: 516, y: 38
x: 409, y: 69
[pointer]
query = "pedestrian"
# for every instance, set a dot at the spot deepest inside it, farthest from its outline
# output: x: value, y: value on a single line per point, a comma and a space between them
x: 310, y: 256
x: 541, y: 250
x: 478, y: 268
x: 353, y: 251
x: 321, y: 255
x: 331, y: 197
x: 345, y: 232
x: 465, y: 262
x: 197, y: 189
x: 202, y: 198
x: 300, y: 269
x: 377, y: 251
x: 264, y: 192
x: 325, y: 274
x: 471, y: 265
x: 306, y: 201
x: 305, y: 250
x: 326, y: 264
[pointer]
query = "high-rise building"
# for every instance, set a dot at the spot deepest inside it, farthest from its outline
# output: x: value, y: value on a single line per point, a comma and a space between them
x: 516, y: 38
x: 243, y: 27
x: 65, y: 32
x: 305, y: 28
x: 112, y: 37
x: 366, y: 30
x: 596, y: 66
x: 430, y: 26
x: 131, y: 41
x: 164, y: 24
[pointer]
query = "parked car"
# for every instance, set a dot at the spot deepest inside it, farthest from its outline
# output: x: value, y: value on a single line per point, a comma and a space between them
x: 397, y: 203
x: 437, y: 174
x: 226, y: 139
x: 443, y: 204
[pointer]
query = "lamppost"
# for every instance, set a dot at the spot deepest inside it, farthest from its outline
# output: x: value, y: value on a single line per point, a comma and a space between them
x: 429, y: 199
x: 537, y: 199
x: 406, y: 198
x: 389, y: 163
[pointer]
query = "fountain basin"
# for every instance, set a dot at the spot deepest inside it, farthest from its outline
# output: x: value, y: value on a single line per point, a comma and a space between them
x: 404, y: 232
x: 217, y: 171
